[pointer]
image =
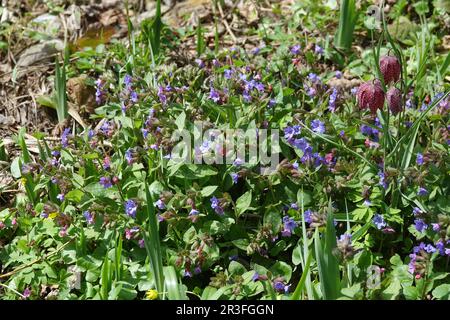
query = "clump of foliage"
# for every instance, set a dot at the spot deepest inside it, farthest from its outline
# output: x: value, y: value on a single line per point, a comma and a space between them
x: 358, y: 207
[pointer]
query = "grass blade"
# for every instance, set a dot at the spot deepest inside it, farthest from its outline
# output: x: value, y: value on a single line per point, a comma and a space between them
x: 305, y: 275
x: 152, y: 243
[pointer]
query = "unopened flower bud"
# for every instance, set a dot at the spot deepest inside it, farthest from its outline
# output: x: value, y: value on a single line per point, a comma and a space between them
x: 390, y: 68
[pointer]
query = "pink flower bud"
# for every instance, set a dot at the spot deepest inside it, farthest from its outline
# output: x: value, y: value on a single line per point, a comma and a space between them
x: 370, y: 95
x: 394, y: 100
x: 390, y: 68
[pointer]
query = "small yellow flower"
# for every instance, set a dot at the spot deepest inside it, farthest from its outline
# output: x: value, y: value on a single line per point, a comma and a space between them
x: 53, y: 215
x: 23, y: 181
x: 152, y: 294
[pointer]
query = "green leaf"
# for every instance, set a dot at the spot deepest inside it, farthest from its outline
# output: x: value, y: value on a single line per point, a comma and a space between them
x: 243, y: 202
x: 442, y: 292
x: 207, y: 191
x: 74, y: 195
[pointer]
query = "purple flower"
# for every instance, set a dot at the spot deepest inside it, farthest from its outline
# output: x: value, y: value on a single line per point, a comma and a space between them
x: 383, y: 181
x: 338, y: 74
x: 308, y: 216
x: 134, y: 96
x: 332, y: 100
x: 26, y: 293
x: 272, y: 103
x: 235, y: 177
x: 65, y: 137
x: 420, y: 225
x: 294, y: 206
x: 291, y: 132
x: 197, y: 270
x: 318, y: 126
x: 255, y: 276
x: 162, y: 97
x: 127, y: 81
x: 141, y: 243
x: 131, y: 208
x: 417, y: 211
x: 193, y: 212
x: 436, y: 227
x: 422, y: 192
x: 106, y: 182
x: 419, y: 159
x: 228, y: 73
x: 88, y: 216
x: 214, y: 95
x: 106, y: 128
x: 200, y: 63
x: 91, y: 134
x: 318, y: 50
x: 278, y: 286
x: 429, y: 248
x: 160, y: 204
x: 314, y: 78
x: 187, y: 274
x: 289, y: 224
x: 440, y: 246
x: 379, y: 222
x: 354, y: 91
x: 246, y: 95
x: 310, y: 91
x: 60, y: 197
x: 98, y: 91
x: 296, y: 49
x: 238, y: 162
x: 215, y: 204
x: 129, y: 156
x: 346, y: 237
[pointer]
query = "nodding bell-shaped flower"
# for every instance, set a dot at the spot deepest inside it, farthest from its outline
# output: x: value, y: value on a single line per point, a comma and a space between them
x: 390, y: 68
x: 394, y: 100
x: 371, y: 95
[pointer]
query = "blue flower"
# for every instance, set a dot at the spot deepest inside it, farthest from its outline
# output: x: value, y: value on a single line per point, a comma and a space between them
x: 131, y: 208
x: 383, y: 181
x: 338, y: 74
x: 314, y: 78
x: 291, y: 132
x: 332, y: 100
x: 200, y: 63
x: 193, y: 212
x: 296, y: 49
x: 235, y: 177
x: 420, y: 225
x: 65, y: 137
x: 228, y: 73
x: 308, y: 216
x: 422, y: 192
x: 318, y: 50
x: 419, y: 159
x: 289, y: 224
x: 214, y: 95
x: 106, y: 182
x: 215, y: 204
x: 88, y: 216
x: 60, y: 197
x: 379, y: 222
x: 160, y: 204
x: 318, y: 126
x: 129, y: 156
x: 127, y: 80
x: 417, y: 211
